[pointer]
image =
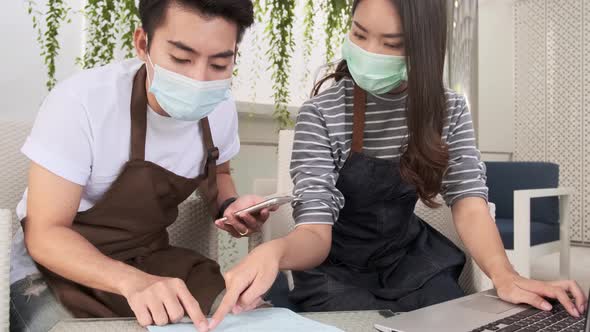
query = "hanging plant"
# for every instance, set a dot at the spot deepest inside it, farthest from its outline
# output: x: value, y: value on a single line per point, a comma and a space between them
x: 101, y: 33
x: 308, y: 40
x: 57, y: 14
x: 308, y: 24
x: 279, y: 32
x: 338, y: 21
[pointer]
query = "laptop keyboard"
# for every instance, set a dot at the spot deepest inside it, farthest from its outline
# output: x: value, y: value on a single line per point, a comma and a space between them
x: 533, y: 320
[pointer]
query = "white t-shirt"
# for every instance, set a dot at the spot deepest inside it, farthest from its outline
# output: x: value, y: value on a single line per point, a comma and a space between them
x: 82, y: 134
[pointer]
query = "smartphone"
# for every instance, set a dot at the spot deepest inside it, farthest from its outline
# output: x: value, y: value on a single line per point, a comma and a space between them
x: 269, y: 203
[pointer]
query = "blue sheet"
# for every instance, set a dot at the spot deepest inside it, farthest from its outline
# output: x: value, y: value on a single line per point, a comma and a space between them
x: 261, y: 320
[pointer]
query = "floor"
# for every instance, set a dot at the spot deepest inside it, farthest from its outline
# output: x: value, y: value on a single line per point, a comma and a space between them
x: 547, y: 267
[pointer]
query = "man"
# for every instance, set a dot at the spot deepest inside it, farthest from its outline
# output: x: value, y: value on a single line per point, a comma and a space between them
x: 114, y: 150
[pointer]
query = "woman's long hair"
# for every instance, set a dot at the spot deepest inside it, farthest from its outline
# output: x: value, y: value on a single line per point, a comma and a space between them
x: 425, y: 155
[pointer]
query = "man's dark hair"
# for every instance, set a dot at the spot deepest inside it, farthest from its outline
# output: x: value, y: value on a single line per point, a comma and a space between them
x: 153, y: 12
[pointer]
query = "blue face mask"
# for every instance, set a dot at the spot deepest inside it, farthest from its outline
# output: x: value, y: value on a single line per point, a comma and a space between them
x: 184, y: 98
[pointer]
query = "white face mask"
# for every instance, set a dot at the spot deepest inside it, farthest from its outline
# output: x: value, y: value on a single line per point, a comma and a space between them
x: 184, y: 98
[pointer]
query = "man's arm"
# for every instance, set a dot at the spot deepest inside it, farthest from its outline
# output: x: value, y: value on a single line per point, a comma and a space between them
x: 225, y: 184
x: 51, y: 208
x: 52, y: 205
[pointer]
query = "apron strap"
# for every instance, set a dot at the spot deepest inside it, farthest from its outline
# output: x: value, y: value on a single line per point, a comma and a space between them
x: 139, y: 128
x: 358, y: 125
x: 138, y: 115
x: 210, y: 166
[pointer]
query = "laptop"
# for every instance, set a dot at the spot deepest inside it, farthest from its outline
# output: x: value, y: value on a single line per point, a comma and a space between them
x: 484, y: 312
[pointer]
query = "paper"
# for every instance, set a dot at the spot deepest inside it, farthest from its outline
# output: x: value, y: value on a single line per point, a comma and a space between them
x: 261, y: 320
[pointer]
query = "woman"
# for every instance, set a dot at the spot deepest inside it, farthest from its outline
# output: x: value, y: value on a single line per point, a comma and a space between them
x: 386, y: 134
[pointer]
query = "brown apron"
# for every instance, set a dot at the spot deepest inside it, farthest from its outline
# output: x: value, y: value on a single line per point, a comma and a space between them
x: 129, y: 224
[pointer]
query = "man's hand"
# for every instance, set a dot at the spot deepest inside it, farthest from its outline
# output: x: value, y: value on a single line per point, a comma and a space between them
x: 244, y: 224
x: 160, y: 301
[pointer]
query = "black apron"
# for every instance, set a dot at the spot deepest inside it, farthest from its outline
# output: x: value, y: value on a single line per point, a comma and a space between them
x: 383, y: 256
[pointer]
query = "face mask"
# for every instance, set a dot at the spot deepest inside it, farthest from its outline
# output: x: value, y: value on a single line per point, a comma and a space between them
x: 184, y: 98
x: 374, y: 73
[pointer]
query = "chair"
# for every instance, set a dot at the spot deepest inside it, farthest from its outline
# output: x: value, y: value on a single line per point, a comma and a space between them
x: 532, y: 212
x: 472, y: 279
x: 193, y: 229
x: 13, y: 174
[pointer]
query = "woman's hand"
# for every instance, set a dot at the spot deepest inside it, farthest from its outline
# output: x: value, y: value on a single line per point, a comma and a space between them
x: 244, y: 224
x: 249, y: 281
x: 518, y: 290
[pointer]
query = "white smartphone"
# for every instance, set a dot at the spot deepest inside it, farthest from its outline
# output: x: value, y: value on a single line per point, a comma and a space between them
x: 267, y: 204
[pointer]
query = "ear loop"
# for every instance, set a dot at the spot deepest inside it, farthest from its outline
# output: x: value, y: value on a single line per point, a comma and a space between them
x: 149, y: 60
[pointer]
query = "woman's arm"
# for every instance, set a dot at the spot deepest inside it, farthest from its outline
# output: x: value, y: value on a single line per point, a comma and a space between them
x: 464, y: 188
x: 316, y: 207
x: 306, y: 247
x: 482, y: 239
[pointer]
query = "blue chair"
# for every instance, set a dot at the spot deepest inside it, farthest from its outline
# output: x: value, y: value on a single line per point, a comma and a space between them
x: 531, y: 212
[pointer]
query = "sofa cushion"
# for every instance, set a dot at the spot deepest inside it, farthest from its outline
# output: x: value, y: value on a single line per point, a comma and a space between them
x: 503, y: 178
x: 540, y: 232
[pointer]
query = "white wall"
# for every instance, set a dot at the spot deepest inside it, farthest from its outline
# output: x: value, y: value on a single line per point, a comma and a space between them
x: 552, y: 88
x: 496, y: 83
x: 22, y: 72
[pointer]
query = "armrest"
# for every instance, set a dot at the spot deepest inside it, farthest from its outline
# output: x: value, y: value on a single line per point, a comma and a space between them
x: 547, y: 192
x: 522, y: 210
x: 5, y: 244
x: 522, y: 221
x: 492, y: 208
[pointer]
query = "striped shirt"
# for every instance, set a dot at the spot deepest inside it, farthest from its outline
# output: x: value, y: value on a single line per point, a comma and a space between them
x: 323, y: 142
